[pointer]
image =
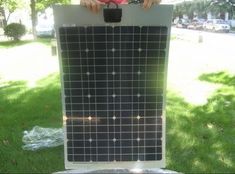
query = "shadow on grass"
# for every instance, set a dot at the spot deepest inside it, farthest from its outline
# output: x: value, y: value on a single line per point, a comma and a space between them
x: 201, y: 138
x: 22, y: 108
x: 10, y: 44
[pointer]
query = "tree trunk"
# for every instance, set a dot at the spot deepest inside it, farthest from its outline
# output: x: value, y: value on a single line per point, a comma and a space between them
x: 2, y: 10
x: 8, y: 17
x: 33, y: 17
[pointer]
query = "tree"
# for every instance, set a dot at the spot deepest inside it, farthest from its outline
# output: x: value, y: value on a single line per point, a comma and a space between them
x: 177, y: 11
x: 191, y: 8
x: 200, y: 8
x: 33, y: 17
x: 11, y: 6
x: 220, y: 7
x: 40, y: 5
x: 232, y: 3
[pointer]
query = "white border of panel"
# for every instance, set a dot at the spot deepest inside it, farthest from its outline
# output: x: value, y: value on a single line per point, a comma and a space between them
x: 133, y: 15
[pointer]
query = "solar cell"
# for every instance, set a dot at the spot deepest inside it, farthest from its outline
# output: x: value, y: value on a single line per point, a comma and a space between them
x: 113, y: 85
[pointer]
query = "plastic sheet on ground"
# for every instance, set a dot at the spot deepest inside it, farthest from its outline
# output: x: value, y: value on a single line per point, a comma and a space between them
x: 41, y: 138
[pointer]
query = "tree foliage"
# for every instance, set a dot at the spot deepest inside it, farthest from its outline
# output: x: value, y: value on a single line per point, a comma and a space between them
x: 202, y: 7
x: 11, y: 5
x: 191, y: 8
x: 40, y: 5
x: 43, y: 4
x: 220, y: 7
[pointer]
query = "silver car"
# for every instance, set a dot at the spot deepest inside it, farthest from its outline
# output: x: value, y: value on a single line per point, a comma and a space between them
x: 216, y: 25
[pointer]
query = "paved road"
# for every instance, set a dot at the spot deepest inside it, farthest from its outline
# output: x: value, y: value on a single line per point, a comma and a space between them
x: 187, y: 31
x: 29, y: 62
x: 188, y: 59
x: 207, y: 36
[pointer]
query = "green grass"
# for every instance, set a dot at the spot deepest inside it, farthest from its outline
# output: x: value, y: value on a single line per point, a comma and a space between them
x: 21, y: 108
x: 199, y: 138
x: 11, y: 43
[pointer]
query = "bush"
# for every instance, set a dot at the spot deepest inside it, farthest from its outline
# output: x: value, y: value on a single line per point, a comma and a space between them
x: 15, y: 30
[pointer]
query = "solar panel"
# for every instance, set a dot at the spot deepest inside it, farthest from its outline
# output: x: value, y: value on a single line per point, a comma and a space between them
x: 113, y: 87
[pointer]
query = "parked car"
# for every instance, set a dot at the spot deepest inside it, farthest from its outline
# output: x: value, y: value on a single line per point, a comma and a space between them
x: 196, y: 24
x: 216, y: 25
x: 182, y: 23
x: 45, y: 30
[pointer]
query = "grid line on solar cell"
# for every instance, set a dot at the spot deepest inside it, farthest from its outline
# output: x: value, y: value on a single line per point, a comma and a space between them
x: 113, y: 71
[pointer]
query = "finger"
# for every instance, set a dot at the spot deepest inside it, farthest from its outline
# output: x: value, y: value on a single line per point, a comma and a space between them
x: 145, y: 3
x: 89, y: 5
x: 94, y: 7
x: 149, y: 4
x: 157, y: 1
x: 98, y: 8
x: 98, y: 5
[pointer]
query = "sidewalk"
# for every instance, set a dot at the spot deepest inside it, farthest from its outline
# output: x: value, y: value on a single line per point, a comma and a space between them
x: 189, y: 59
x: 4, y: 38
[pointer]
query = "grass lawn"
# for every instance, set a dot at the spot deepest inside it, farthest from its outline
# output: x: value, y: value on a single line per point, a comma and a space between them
x: 10, y: 44
x: 21, y: 108
x: 199, y: 138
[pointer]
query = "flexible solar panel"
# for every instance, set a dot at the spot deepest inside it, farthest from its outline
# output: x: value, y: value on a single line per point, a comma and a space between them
x: 113, y: 86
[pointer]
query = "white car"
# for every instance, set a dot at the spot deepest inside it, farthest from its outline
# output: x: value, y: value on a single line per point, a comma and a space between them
x: 216, y: 25
x: 45, y: 30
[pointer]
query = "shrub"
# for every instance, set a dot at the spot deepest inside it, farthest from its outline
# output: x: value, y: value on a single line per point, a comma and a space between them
x: 15, y: 30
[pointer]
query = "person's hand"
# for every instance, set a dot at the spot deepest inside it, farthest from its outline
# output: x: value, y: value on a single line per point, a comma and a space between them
x: 148, y: 3
x: 93, y: 5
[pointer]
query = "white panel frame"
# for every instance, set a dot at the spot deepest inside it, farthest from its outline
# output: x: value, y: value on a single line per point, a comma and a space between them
x: 133, y: 15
